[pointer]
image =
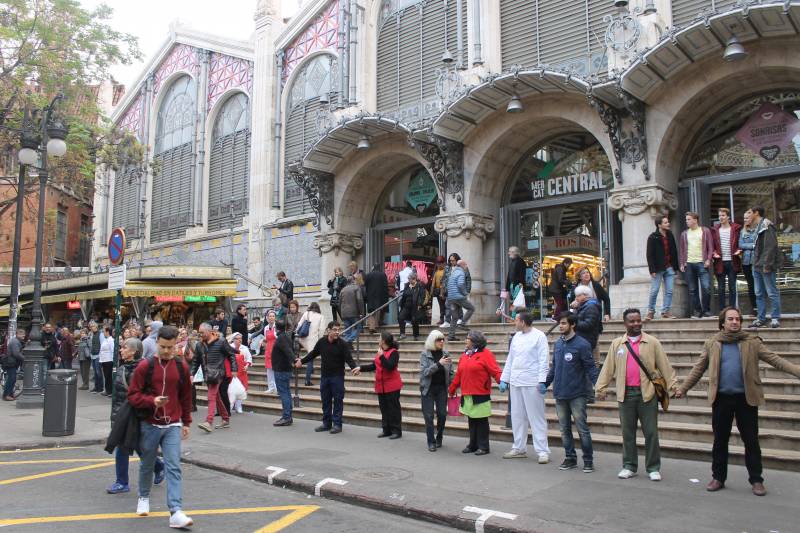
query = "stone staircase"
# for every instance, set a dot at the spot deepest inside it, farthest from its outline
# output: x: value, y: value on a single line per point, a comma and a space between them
x: 684, y: 431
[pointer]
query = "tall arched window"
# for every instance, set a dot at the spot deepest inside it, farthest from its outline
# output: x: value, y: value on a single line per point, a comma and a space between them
x: 127, y: 181
x: 171, y: 211
x: 229, y: 166
x: 309, y: 96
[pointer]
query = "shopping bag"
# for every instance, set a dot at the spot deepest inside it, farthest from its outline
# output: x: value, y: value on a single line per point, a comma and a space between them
x: 236, y: 391
x: 454, y: 406
x: 198, y: 377
x: 519, y: 300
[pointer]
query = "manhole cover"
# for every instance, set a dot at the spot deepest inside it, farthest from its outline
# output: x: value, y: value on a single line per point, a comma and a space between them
x: 383, y: 474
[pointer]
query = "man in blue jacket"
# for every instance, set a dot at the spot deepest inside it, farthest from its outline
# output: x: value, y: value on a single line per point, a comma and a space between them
x: 457, y: 292
x: 572, y: 366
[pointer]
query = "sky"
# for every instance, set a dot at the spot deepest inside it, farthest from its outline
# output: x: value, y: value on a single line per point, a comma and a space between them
x: 149, y: 20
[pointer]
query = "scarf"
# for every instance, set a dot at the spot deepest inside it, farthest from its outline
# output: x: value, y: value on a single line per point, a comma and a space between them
x: 729, y: 337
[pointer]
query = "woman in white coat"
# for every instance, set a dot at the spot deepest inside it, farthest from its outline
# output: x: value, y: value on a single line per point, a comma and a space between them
x: 316, y: 329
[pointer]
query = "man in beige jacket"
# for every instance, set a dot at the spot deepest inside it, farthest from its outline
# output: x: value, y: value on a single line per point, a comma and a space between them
x: 635, y: 393
x: 734, y: 389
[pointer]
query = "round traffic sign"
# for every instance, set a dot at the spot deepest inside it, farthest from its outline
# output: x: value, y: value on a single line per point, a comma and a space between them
x: 116, y: 246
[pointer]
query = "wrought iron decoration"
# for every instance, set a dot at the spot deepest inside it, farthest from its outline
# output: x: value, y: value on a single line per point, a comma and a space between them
x: 446, y: 159
x: 318, y: 188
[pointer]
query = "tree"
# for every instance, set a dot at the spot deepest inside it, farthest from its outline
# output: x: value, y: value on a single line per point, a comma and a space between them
x: 47, y: 46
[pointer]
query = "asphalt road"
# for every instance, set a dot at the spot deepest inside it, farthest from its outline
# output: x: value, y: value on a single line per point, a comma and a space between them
x: 63, y: 490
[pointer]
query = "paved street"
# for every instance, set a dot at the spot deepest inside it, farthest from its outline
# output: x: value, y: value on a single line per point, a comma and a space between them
x: 64, y: 490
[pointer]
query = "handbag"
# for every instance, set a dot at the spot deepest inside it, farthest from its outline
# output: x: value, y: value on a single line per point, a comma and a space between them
x: 519, y: 300
x: 198, y: 376
x: 659, y: 383
x: 214, y: 375
x: 304, y: 329
x: 454, y: 406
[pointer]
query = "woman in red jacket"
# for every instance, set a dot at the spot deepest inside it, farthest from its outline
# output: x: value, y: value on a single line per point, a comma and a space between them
x: 476, y: 368
x: 387, y: 385
x: 269, y: 341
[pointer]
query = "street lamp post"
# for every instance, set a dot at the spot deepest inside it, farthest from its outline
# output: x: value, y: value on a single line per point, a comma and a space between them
x: 35, y: 147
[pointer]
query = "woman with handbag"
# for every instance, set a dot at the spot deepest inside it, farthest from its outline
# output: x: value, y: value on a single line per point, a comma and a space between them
x: 270, y: 334
x: 308, y: 332
x: 335, y: 286
x: 435, y: 374
x: 477, y: 367
x: 244, y: 360
x: 387, y: 385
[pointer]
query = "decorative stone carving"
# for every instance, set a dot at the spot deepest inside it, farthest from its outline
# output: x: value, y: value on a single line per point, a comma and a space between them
x: 318, y: 187
x: 636, y: 200
x: 331, y: 241
x: 446, y: 159
x: 467, y: 223
x: 264, y: 8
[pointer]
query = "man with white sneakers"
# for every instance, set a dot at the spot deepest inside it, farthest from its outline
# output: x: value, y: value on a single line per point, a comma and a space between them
x: 161, y: 389
x: 526, y: 371
x: 635, y: 393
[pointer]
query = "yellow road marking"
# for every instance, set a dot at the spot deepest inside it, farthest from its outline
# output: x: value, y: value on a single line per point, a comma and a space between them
x: 298, y: 513
x: 50, y: 461
x: 59, y: 472
x: 43, y: 449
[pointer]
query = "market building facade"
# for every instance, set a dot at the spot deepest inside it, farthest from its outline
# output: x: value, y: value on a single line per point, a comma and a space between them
x: 399, y: 130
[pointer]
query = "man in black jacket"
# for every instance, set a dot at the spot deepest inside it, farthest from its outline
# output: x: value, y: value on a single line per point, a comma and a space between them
x: 377, y: 285
x: 239, y: 323
x: 516, y: 272
x: 214, y: 354
x: 559, y: 286
x: 662, y: 261
x: 412, y: 306
x: 285, y: 289
x: 282, y: 365
x: 335, y: 353
x: 11, y: 362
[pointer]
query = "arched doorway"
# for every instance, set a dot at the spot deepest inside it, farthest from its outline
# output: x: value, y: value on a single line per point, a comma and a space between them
x: 749, y: 155
x: 555, y: 207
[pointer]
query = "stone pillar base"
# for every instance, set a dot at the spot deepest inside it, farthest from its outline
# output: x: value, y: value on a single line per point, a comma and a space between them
x: 636, y: 293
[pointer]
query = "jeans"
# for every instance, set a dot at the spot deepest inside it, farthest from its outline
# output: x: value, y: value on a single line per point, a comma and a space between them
x: 98, y: 375
x: 309, y: 371
x: 456, y: 307
x: 766, y: 282
x: 699, y: 287
x: 751, y: 291
x: 11, y: 379
x: 169, y: 439
x: 725, y: 407
x: 282, y: 382
x: 331, y: 391
x: 729, y: 275
x: 634, y: 409
x: 215, y: 404
x: 351, y: 335
x: 123, y: 459
x: 574, y: 409
x: 435, y: 399
x: 86, y: 366
x: 668, y: 276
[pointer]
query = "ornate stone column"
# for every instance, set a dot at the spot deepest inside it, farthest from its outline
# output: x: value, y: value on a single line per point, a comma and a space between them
x: 466, y: 234
x: 336, y: 250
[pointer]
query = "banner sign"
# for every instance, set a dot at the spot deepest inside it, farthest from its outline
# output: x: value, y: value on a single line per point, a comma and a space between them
x: 768, y: 131
x: 421, y: 191
x: 571, y: 184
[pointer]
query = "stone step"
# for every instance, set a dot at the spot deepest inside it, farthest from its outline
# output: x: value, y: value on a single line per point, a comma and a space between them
x: 778, y: 458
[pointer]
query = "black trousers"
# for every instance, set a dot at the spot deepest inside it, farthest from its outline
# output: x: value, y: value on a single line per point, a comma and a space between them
x: 107, y: 367
x: 436, y: 399
x: 335, y: 312
x: 223, y: 391
x: 751, y: 291
x: 442, y: 307
x: 407, y: 314
x: 391, y: 415
x: 86, y: 366
x: 478, y: 433
x: 725, y: 408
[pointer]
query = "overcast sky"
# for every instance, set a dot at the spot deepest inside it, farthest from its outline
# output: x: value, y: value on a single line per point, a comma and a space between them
x: 149, y: 20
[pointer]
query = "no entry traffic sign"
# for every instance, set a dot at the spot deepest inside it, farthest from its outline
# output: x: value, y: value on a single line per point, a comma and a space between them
x: 116, y: 246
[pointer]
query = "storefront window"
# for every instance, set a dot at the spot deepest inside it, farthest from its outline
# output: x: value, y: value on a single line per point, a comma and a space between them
x: 411, y: 196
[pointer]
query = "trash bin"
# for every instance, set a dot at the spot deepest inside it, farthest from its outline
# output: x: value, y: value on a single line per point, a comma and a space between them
x: 60, y: 395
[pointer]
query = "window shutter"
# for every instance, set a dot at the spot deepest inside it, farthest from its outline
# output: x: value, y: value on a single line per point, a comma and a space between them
x: 518, y: 32
x: 126, y: 203
x: 433, y: 43
x: 172, y: 194
x: 387, y: 65
x: 598, y: 9
x: 563, y: 31
x: 409, y: 59
x: 301, y: 131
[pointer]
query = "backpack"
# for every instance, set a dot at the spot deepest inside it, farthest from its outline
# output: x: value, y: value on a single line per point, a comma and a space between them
x: 144, y: 413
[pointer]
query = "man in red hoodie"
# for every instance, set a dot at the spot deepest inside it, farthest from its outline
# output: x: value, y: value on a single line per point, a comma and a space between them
x: 161, y: 389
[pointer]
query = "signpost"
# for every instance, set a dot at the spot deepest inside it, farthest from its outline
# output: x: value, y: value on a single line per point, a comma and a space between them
x: 116, y: 281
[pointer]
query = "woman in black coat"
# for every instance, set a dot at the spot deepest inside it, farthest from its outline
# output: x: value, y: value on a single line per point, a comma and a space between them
x: 335, y: 286
x: 377, y: 288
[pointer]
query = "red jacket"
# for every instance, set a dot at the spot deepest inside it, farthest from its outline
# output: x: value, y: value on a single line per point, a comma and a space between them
x: 475, y: 373
x: 179, y: 406
x: 387, y: 376
x: 735, y: 259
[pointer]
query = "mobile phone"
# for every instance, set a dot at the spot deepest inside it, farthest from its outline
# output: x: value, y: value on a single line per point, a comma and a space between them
x: 165, y: 398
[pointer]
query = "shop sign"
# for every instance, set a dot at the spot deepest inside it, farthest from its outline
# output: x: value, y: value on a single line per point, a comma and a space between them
x: 571, y: 243
x: 73, y: 305
x: 168, y: 299
x: 769, y: 130
x: 196, y: 299
x: 543, y: 187
x: 421, y: 191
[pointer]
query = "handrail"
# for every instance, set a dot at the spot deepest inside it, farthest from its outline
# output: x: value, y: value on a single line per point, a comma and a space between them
x: 365, y: 317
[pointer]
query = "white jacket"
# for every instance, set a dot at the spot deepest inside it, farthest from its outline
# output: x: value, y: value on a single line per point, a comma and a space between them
x: 316, y: 329
x: 107, y: 350
x: 528, y: 359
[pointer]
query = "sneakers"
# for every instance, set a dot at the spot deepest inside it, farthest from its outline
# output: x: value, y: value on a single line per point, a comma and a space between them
x: 568, y: 464
x: 650, y: 315
x: 515, y: 454
x: 758, y: 489
x: 143, y: 507
x: 459, y: 322
x: 588, y: 467
x: 655, y: 476
x: 226, y: 424
x: 444, y: 325
x: 626, y: 474
x: 335, y: 430
x: 205, y: 426
x: 282, y: 422
x: 401, y: 337
x: 774, y: 323
x: 668, y: 315
x: 118, y: 488
x: 758, y: 323
x: 320, y: 429
x: 544, y: 458
x: 179, y: 520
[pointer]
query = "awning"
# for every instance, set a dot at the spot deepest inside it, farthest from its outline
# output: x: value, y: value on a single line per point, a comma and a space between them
x: 5, y: 310
x: 78, y: 296
x: 196, y: 288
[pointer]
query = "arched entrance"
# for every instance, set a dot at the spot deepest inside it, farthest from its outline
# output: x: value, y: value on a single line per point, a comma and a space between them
x: 555, y: 207
x: 749, y: 155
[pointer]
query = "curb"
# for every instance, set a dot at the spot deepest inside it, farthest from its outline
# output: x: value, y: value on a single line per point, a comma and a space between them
x: 338, y: 494
x: 50, y: 444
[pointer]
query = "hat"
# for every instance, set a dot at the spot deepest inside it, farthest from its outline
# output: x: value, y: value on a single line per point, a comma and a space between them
x: 441, y: 259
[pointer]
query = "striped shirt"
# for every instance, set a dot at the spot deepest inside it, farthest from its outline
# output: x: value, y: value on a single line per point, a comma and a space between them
x: 725, y: 243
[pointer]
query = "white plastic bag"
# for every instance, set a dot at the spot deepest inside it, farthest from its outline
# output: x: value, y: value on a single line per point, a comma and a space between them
x: 236, y: 391
x: 198, y: 376
x: 519, y: 301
